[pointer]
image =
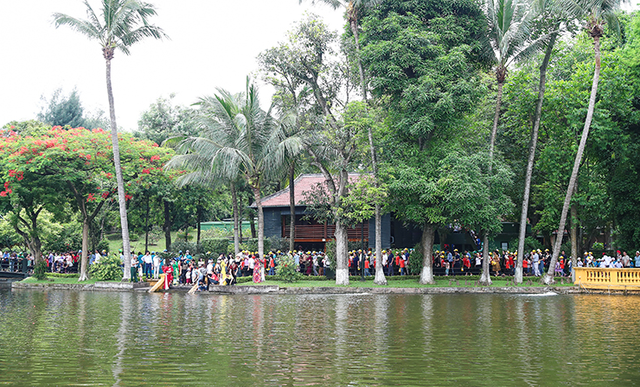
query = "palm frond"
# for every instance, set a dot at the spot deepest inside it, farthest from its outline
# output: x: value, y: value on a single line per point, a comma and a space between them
x: 82, y: 26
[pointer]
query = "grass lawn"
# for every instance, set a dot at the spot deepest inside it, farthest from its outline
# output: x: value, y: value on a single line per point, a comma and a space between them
x: 396, y: 283
x: 57, y: 280
x: 115, y: 243
x: 61, y: 279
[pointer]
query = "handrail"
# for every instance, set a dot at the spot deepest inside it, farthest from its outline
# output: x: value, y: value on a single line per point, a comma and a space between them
x: 607, y: 278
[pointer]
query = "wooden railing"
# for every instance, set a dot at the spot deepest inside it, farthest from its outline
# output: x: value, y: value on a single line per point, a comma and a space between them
x: 320, y: 232
x: 603, y: 278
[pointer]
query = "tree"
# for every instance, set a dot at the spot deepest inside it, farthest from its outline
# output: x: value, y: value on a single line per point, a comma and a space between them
x: 509, y: 23
x: 423, y: 59
x: 72, y: 166
x: 292, y: 101
x: 164, y: 120
x: 237, y: 138
x: 123, y: 23
x: 597, y: 12
x: 353, y: 9
x: 552, y: 13
x: 307, y: 57
x: 62, y: 110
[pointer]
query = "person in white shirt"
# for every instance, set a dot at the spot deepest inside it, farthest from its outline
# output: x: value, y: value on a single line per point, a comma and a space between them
x: 148, y: 264
x: 156, y: 264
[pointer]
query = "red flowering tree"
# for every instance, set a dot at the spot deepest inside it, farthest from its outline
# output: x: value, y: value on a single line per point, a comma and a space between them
x: 73, y: 166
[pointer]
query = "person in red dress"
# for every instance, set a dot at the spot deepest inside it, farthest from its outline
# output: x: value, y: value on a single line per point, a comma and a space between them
x: 168, y: 276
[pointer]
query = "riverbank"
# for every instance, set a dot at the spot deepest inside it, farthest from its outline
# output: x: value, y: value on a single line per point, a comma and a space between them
x: 399, y: 286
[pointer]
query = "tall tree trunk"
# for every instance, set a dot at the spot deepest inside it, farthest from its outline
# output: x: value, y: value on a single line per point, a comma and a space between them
x: 124, y: 224
x: 85, y: 250
x: 428, y: 236
x: 292, y: 207
x: 379, y: 279
x: 354, y: 29
x: 574, y: 240
x: 548, y: 278
x: 252, y: 226
x: 258, y: 199
x: 494, y: 130
x: 342, y: 271
x: 485, y: 276
x: 167, y: 224
x: 234, y: 204
x: 146, y: 228
x: 532, y: 154
x: 198, y: 221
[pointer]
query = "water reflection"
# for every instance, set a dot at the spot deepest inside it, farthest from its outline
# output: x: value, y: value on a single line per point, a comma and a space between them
x: 129, y: 339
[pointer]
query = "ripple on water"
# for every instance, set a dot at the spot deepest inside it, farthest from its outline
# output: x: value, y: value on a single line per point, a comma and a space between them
x: 67, y: 338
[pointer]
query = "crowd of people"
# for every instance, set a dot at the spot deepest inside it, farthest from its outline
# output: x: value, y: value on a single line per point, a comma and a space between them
x: 185, y: 269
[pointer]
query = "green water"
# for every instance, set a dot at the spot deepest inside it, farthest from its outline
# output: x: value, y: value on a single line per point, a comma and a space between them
x: 132, y: 339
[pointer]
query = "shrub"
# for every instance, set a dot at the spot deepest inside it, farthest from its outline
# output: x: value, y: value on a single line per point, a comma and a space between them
x: 287, y: 269
x: 215, y: 245
x: 108, y: 269
x: 40, y: 271
x: 134, y: 237
x: 415, y: 260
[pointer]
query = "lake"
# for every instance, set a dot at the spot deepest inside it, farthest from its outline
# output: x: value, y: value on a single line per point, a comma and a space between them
x: 129, y: 339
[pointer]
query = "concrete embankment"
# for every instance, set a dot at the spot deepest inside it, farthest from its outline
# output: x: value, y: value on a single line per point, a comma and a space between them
x: 271, y: 289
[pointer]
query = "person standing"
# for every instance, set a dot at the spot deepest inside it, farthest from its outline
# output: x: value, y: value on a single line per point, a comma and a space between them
x: 156, y: 264
x: 535, y: 261
x: 134, y: 269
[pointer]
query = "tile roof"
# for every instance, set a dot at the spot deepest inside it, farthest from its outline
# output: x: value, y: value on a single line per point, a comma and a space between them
x: 301, y: 184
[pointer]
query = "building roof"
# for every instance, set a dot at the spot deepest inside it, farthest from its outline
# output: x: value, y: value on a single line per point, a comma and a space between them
x: 302, y: 184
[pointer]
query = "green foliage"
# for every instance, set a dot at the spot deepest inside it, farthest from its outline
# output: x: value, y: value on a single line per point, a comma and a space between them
x: 251, y: 244
x: 133, y: 237
x: 415, y: 260
x: 597, y: 246
x: 424, y: 58
x: 215, y: 246
x: 103, y: 245
x: 183, y: 246
x: 287, y: 269
x: 108, y: 269
x: 62, y: 110
x: 277, y: 243
x: 186, y: 235
x: 40, y: 271
x: 164, y: 120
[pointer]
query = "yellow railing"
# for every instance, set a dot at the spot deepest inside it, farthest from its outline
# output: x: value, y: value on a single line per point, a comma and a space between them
x: 601, y: 278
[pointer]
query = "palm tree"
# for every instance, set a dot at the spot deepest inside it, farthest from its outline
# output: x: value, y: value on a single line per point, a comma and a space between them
x: 598, y: 13
x: 554, y: 10
x: 508, y: 22
x: 122, y: 23
x: 238, y: 139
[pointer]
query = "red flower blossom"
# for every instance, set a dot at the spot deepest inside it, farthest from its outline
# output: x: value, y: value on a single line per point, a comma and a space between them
x: 3, y: 193
x: 91, y: 198
x: 127, y: 197
x: 155, y: 158
x: 146, y: 170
